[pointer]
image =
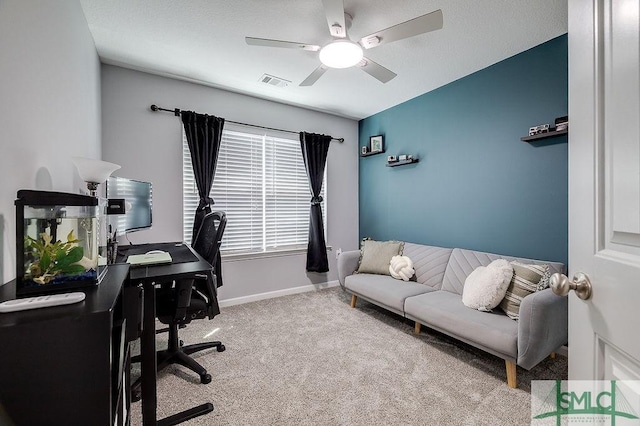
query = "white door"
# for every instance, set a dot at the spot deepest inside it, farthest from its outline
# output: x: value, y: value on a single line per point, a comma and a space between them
x: 604, y: 188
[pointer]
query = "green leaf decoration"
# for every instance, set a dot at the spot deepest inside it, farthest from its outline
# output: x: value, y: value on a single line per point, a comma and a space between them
x: 75, y: 254
x: 63, y: 262
x: 60, y: 254
x: 45, y: 261
x: 73, y: 269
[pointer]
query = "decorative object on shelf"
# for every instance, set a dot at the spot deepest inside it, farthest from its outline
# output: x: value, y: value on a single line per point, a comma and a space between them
x: 94, y: 172
x: 562, y: 123
x: 364, y: 150
x: 409, y: 159
x: 399, y: 160
x: 376, y: 144
x: 536, y: 130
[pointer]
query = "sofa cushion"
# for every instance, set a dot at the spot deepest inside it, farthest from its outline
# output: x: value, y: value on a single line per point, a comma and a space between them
x: 429, y: 263
x: 462, y: 262
x: 444, y: 311
x: 375, y: 256
x: 527, y: 279
x: 486, y: 286
x: 384, y: 289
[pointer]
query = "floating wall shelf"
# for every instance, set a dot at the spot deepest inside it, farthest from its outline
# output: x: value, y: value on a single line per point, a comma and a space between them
x: 544, y: 135
x: 403, y: 163
x: 368, y: 154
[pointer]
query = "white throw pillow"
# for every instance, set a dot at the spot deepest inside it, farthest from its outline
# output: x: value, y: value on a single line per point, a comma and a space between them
x: 486, y: 286
x: 401, y: 268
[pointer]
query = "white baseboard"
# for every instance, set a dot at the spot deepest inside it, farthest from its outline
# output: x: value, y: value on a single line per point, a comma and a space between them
x: 277, y: 293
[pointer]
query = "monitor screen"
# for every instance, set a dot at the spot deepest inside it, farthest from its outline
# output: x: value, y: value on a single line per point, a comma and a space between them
x: 138, y: 203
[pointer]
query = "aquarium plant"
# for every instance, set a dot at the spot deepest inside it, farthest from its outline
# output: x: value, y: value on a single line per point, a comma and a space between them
x: 53, y: 258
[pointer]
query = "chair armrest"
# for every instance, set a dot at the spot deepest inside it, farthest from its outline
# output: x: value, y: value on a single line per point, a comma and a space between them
x: 347, y: 264
x: 206, y: 286
x: 542, y: 327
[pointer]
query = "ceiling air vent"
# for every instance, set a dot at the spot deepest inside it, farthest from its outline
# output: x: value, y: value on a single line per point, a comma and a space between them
x: 274, y: 81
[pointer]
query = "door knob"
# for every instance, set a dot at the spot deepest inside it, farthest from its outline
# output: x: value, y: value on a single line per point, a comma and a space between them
x: 561, y: 285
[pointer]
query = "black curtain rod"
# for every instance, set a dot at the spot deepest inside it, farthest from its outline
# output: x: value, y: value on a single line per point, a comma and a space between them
x: 176, y: 112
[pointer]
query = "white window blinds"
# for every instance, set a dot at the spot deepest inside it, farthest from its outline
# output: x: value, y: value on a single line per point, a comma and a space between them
x: 262, y: 185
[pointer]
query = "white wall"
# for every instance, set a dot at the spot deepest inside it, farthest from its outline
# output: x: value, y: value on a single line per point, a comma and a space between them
x: 49, y: 104
x: 148, y: 146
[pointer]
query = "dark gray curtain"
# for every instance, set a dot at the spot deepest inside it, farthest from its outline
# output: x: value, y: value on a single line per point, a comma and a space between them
x: 314, y: 153
x: 204, y: 133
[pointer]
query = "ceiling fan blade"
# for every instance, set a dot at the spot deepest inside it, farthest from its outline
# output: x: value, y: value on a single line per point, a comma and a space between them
x: 334, y: 9
x: 416, y: 26
x: 314, y: 76
x: 376, y: 70
x: 279, y: 43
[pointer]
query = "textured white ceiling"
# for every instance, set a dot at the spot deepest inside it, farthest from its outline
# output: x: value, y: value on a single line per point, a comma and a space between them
x: 203, y: 41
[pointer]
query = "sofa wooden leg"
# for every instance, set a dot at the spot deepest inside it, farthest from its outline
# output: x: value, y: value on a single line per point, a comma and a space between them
x: 511, y: 374
x: 353, y: 300
x: 552, y: 355
x: 417, y: 329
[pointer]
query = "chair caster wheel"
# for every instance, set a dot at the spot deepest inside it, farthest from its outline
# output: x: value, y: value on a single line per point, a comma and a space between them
x: 136, y: 396
x: 181, y: 343
x: 205, y: 378
x: 221, y: 348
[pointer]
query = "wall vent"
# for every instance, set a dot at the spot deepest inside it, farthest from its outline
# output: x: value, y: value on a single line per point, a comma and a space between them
x: 274, y: 81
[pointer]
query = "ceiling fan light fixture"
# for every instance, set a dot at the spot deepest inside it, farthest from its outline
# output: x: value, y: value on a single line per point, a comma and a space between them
x: 341, y: 54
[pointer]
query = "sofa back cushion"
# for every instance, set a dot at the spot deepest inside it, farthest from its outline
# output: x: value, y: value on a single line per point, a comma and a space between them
x: 429, y: 263
x: 462, y: 262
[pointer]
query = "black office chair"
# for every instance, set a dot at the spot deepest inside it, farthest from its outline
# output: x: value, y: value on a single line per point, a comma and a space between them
x: 187, y: 300
x: 180, y: 302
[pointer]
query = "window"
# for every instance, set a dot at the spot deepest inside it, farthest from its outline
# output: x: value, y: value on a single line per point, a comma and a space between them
x: 262, y: 185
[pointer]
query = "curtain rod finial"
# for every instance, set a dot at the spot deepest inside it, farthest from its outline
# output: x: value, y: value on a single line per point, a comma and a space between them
x: 154, y: 107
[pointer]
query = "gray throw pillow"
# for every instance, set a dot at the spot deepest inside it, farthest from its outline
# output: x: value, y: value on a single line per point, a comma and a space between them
x: 375, y: 256
x: 527, y: 279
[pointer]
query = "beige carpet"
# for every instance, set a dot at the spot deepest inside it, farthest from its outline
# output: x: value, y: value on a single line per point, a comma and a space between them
x: 310, y: 359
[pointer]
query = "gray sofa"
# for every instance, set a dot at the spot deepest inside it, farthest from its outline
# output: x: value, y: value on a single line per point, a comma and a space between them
x: 435, y: 300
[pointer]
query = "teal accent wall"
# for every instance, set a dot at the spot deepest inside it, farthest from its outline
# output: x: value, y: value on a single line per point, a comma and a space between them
x: 477, y: 186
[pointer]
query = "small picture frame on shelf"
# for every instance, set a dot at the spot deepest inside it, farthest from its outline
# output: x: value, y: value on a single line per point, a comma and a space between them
x: 376, y: 143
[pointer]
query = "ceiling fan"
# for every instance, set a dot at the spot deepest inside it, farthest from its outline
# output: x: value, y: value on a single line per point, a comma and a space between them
x: 342, y: 52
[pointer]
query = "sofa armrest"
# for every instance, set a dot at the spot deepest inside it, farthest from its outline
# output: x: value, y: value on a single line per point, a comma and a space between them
x: 347, y: 264
x: 543, y: 326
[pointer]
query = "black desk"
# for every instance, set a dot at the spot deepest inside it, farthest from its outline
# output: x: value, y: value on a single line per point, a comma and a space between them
x: 148, y: 276
x: 67, y: 365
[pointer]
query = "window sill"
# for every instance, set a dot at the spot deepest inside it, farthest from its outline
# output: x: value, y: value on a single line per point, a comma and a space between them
x: 263, y: 255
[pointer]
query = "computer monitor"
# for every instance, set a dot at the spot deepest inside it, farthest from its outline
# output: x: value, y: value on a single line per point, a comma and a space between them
x: 138, y: 204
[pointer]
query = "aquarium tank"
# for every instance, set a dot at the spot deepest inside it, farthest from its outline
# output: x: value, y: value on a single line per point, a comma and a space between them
x: 60, y: 241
